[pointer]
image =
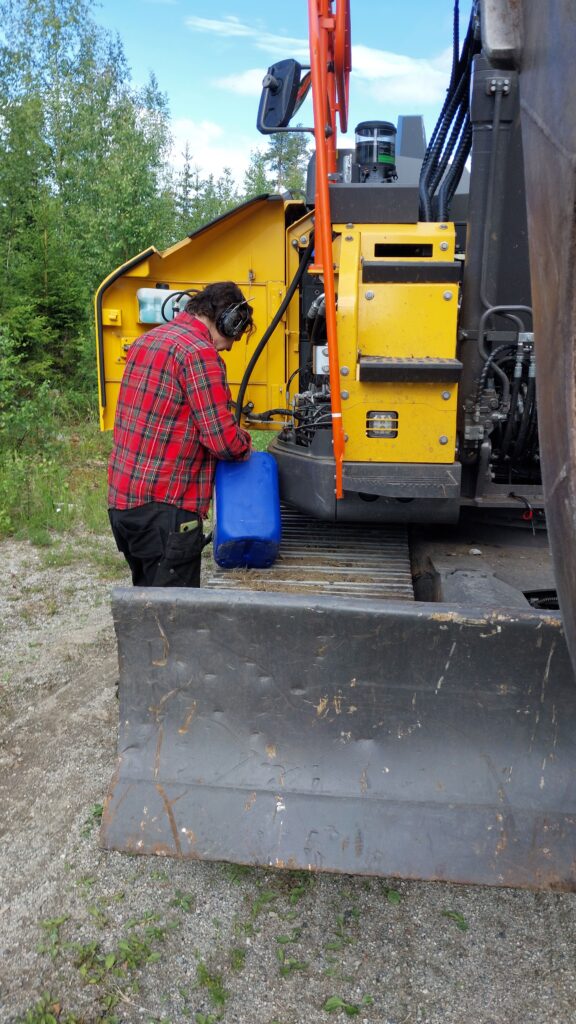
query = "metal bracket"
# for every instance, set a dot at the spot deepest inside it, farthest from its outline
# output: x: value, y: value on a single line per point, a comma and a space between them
x: 501, y: 28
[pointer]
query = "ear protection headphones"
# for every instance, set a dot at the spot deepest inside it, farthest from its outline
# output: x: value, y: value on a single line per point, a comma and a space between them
x: 233, y: 321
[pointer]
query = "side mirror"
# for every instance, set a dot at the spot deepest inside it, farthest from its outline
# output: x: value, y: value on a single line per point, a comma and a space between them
x: 282, y: 95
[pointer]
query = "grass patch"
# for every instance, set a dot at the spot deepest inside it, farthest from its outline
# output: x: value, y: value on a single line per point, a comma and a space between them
x: 48, y: 1010
x: 57, y: 484
x: 109, y: 563
x: 212, y: 983
x: 261, y: 439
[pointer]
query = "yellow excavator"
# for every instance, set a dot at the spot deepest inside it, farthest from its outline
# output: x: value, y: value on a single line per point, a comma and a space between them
x: 395, y: 696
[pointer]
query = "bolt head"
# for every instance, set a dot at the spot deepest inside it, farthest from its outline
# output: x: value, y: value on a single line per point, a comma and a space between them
x: 443, y: 246
x: 443, y: 439
x: 344, y: 371
x: 446, y: 395
x: 447, y: 296
x: 344, y: 394
x: 369, y: 295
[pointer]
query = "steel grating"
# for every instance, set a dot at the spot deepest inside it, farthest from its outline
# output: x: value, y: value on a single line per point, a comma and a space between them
x: 316, y: 557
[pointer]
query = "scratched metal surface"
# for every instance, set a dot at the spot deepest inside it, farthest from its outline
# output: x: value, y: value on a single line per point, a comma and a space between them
x: 337, y: 558
x: 421, y: 741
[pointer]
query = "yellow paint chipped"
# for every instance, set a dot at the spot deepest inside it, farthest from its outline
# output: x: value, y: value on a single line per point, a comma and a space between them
x: 322, y: 707
x: 271, y: 751
x: 250, y: 802
x: 352, y: 709
x: 337, y: 701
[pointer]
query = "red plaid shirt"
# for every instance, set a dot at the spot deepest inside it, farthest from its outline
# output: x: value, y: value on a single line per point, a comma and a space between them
x: 173, y: 420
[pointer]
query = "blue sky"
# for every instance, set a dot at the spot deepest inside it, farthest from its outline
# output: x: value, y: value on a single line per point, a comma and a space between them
x: 210, y: 60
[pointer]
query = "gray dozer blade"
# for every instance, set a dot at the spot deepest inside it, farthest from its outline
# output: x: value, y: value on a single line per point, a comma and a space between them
x: 419, y: 741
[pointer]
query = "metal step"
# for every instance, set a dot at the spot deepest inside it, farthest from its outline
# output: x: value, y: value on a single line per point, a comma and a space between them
x: 328, y: 558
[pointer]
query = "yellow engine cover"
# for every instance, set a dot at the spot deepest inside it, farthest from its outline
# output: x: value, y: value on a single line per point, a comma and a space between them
x: 398, y: 303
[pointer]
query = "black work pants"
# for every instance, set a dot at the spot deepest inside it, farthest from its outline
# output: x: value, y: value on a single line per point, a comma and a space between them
x: 161, y: 543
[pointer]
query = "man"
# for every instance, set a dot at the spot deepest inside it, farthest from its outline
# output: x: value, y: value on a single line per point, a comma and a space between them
x: 173, y: 422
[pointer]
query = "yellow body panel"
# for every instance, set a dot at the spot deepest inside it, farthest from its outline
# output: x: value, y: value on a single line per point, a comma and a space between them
x: 400, y: 321
x: 246, y: 246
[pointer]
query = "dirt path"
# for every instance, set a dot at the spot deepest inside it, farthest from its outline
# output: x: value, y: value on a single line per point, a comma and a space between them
x: 114, y: 938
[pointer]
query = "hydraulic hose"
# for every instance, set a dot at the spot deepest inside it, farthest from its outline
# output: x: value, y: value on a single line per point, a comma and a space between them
x: 518, y: 373
x: 450, y: 183
x: 528, y: 411
x: 273, y: 325
x: 455, y: 105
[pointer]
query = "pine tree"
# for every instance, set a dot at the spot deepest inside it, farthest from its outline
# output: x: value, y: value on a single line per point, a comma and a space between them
x: 256, y: 180
x: 287, y: 158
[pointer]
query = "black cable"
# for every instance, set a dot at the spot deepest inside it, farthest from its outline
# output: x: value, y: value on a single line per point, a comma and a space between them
x: 517, y: 383
x: 526, y: 418
x: 273, y: 325
x: 264, y: 417
x: 175, y: 297
x: 446, y: 157
x: 450, y: 183
x: 455, y: 43
x: 490, y: 362
x: 437, y: 153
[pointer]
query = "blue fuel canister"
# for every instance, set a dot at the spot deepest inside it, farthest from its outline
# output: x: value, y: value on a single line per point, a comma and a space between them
x: 247, y: 527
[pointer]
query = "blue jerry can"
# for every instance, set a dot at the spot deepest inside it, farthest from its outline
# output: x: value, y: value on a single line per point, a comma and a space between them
x: 247, y: 513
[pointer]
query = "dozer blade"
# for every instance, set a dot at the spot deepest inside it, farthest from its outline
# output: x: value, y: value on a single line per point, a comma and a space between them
x: 391, y: 738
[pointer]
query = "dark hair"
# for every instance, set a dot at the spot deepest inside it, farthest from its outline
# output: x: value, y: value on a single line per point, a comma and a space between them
x: 215, y: 298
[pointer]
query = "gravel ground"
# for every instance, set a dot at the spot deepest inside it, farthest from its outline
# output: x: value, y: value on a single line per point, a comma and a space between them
x: 107, y: 937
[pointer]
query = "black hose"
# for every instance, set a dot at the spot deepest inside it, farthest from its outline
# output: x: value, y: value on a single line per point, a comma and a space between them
x: 491, y: 363
x: 442, y: 164
x: 273, y: 325
x: 450, y: 183
x: 438, y: 154
x: 455, y: 43
x: 264, y: 417
x: 510, y: 424
x: 175, y: 297
x: 527, y: 413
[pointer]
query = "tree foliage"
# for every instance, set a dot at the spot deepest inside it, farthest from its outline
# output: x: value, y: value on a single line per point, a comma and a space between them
x: 85, y: 184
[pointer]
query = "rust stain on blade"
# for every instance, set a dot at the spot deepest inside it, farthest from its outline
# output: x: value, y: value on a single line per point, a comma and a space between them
x: 171, y: 818
x: 166, y: 647
x: 250, y: 801
x: 156, y: 709
x: 159, y: 741
x: 191, y: 712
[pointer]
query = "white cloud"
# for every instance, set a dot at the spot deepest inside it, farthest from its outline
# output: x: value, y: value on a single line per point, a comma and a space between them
x: 270, y: 43
x: 245, y: 83
x: 211, y: 149
x: 401, y: 81
x: 229, y: 26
